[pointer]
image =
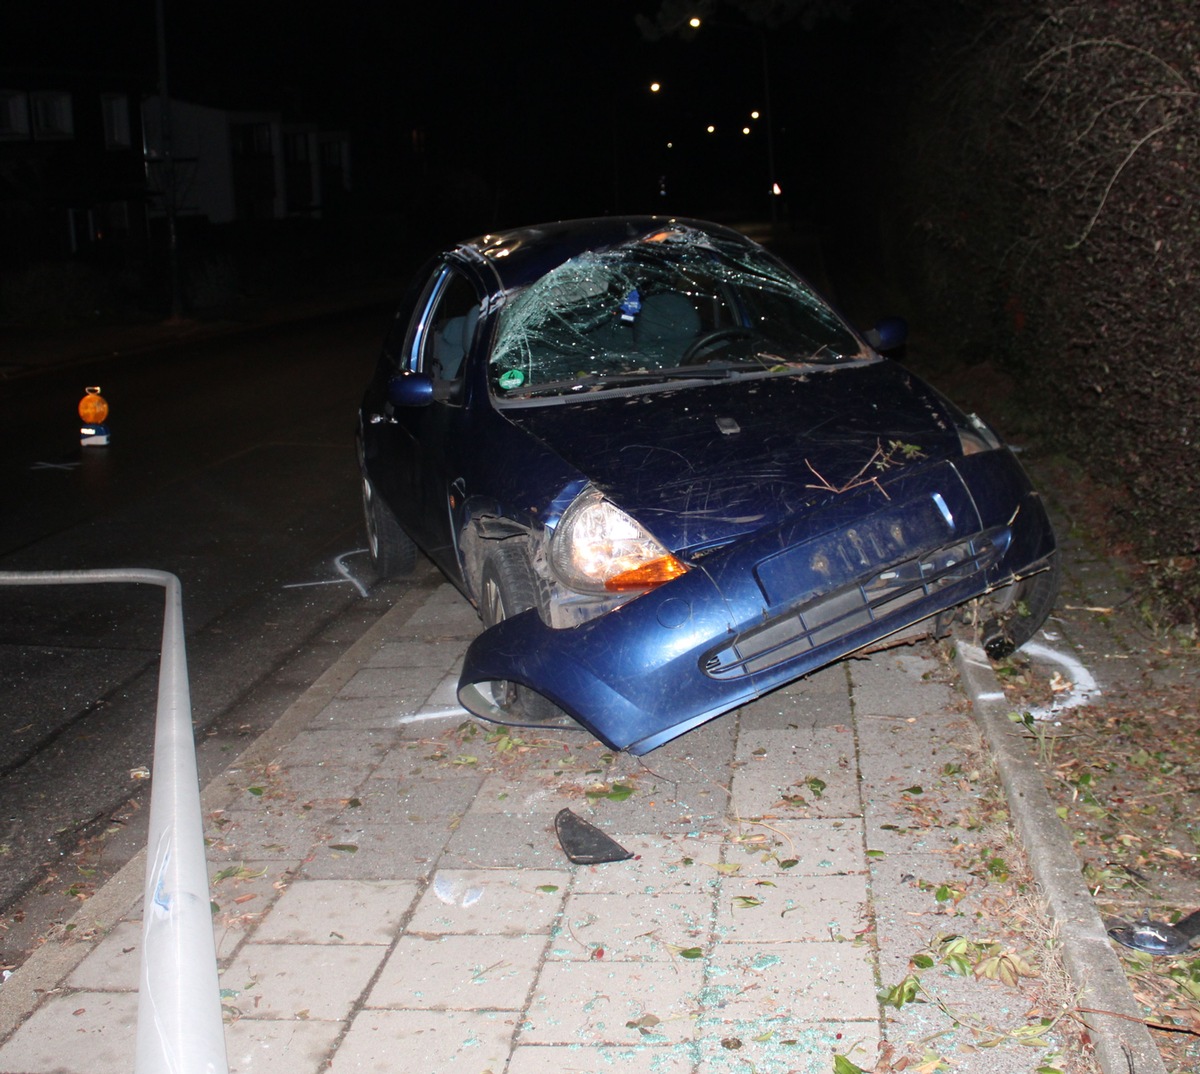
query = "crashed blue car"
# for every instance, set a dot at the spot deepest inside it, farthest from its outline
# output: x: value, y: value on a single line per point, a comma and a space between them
x: 671, y: 478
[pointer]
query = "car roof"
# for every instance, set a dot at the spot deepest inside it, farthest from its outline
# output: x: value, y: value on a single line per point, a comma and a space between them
x: 519, y: 256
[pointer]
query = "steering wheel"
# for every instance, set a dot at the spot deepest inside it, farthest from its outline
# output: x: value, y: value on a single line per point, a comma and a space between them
x: 701, y: 344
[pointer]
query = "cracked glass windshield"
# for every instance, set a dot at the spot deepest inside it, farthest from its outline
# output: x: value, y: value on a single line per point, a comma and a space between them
x: 675, y: 305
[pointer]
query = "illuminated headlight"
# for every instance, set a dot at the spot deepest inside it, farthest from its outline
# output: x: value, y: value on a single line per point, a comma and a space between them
x: 976, y: 436
x: 598, y: 548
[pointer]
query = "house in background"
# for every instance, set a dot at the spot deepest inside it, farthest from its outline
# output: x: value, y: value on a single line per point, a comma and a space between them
x: 83, y: 170
x: 228, y: 166
x: 72, y: 178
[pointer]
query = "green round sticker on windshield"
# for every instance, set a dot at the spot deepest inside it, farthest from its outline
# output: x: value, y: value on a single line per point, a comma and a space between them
x: 512, y: 378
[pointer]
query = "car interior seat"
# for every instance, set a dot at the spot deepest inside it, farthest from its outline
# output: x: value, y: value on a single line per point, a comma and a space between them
x: 667, y: 323
x: 451, y: 343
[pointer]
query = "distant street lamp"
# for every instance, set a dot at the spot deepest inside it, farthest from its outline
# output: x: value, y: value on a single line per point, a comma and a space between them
x: 775, y: 192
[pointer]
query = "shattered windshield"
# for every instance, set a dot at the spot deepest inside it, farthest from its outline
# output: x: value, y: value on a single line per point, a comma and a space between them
x: 675, y: 305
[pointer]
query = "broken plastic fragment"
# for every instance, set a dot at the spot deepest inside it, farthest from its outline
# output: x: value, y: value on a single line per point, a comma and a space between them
x: 584, y: 843
x: 1157, y: 937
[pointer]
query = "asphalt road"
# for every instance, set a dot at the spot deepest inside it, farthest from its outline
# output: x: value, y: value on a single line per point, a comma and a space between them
x: 231, y: 465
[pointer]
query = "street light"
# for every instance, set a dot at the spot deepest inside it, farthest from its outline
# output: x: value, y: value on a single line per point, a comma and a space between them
x: 695, y: 22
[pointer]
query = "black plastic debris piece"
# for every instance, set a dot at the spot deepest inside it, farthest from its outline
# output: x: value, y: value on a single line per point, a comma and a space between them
x: 1157, y: 937
x: 584, y: 843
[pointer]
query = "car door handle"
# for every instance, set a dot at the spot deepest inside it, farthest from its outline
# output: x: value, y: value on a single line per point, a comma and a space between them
x: 379, y: 419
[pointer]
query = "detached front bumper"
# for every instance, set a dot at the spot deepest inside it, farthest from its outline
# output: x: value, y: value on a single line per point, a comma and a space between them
x: 775, y: 606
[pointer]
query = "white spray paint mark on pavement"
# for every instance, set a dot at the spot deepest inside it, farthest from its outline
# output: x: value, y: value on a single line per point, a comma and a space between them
x: 431, y: 714
x: 1083, y: 684
x: 340, y: 566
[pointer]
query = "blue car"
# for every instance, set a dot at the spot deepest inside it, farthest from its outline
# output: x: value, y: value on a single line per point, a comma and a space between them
x: 672, y: 479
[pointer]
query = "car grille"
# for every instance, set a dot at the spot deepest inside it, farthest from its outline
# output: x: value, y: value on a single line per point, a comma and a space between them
x: 836, y: 614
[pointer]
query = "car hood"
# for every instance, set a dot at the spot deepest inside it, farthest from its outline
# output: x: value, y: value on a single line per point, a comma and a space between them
x: 702, y: 465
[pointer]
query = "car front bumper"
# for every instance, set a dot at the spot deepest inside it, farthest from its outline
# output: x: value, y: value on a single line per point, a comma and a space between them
x: 775, y: 606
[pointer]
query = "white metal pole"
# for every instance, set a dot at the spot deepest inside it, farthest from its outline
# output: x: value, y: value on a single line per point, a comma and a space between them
x: 179, y: 1027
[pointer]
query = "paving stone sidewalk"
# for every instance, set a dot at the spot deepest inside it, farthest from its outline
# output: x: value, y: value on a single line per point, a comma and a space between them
x: 390, y: 894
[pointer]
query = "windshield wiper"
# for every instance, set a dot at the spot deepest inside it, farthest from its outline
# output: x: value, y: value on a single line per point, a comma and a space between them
x: 633, y: 376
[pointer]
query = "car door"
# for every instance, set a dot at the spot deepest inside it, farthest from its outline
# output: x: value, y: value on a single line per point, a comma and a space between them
x: 422, y: 438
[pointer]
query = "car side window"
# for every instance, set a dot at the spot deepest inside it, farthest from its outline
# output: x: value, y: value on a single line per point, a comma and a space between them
x: 448, y: 327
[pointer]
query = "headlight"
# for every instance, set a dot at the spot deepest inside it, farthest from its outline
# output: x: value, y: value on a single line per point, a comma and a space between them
x: 977, y: 436
x: 598, y: 548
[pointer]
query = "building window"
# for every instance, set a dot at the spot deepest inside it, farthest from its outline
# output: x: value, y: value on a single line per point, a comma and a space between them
x: 116, y: 120
x: 295, y: 147
x: 52, y: 116
x: 14, y: 115
x: 251, y: 139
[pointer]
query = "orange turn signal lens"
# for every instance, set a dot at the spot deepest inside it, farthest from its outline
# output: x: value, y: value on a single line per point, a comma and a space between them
x: 646, y: 575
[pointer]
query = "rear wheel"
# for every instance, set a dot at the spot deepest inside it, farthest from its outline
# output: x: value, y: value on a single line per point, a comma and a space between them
x: 507, y: 587
x: 1013, y: 614
x: 392, y: 550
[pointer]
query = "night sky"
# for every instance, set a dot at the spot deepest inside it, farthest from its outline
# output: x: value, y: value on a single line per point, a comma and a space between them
x: 539, y: 107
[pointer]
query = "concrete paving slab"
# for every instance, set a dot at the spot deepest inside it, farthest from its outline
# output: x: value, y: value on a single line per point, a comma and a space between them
x: 401, y: 685
x: 618, y: 927
x: 789, y: 909
x: 416, y: 799
x: 504, y: 841
x: 375, y: 712
x: 797, y: 848
x: 321, y: 981
x: 805, y: 981
x: 821, y: 700
x: 661, y: 864
x: 511, y: 902
x: 595, y: 1059
x: 357, y: 749
x: 416, y: 653
x: 338, y: 912
x: 664, y: 808
x: 419, y: 759
x: 796, y: 775
x: 260, y: 1046
x: 783, y: 1045
x: 426, y: 1042
x: 625, y: 1003
x: 78, y: 1033
x: 113, y: 965
x: 267, y: 832
x: 461, y: 972
x: 377, y: 851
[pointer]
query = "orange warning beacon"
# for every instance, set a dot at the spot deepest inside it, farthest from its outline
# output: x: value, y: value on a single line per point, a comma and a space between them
x: 93, y: 409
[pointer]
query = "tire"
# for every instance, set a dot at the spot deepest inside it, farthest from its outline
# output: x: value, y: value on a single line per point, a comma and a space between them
x: 1012, y: 615
x: 392, y: 550
x: 507, y: 587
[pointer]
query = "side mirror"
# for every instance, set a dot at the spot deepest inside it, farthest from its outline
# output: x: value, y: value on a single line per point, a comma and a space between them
x: 410, y: 389
x: 890, y: 334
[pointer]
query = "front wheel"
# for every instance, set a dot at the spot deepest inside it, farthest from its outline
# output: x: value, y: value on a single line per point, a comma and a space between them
x: 1012, y: 615
x: 393, y: 552
x: 507, y: 587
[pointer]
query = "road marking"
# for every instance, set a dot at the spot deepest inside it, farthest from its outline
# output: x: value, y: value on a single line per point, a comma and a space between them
x: 54, y: 465
x: 1083, y: 684
x: 340, y: 566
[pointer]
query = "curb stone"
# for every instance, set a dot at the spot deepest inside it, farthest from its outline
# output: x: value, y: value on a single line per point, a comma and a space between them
x: 1121, y: 1040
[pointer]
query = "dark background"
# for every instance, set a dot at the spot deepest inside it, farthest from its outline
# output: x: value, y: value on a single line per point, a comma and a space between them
x: 1020, y: 180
